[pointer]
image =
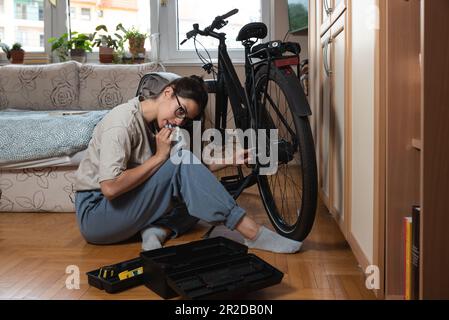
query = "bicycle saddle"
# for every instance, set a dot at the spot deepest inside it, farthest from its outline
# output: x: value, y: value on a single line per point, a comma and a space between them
x: 252, y: 30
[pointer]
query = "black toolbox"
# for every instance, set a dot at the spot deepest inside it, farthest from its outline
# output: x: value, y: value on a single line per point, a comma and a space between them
x: 216, y: 268
x: 114, y: 284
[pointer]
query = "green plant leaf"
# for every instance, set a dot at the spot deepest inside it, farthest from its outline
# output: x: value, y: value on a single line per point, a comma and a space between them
x: 101, y: 27
x: 120, y: 28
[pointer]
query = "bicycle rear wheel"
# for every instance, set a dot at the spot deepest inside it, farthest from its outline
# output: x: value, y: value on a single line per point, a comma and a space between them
x: 289, y: 195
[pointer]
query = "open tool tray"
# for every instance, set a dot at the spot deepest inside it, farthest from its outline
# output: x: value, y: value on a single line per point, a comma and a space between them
x: 215, y: 268
x: 114, y: 284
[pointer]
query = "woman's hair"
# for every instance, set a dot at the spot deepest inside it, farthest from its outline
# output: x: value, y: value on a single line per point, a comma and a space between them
x: 193, y: 88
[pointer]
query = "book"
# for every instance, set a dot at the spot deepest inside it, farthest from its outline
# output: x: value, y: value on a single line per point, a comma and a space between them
x: 416, y: 211
x: 407, y: 258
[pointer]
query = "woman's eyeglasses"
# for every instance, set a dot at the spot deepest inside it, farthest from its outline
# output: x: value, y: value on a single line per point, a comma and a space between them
x: 181, y: 112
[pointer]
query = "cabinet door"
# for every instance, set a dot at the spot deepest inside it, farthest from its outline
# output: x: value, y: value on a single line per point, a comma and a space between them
x: 325, y: 15
x: 337, y: 117
x: 324, y: 118
x: 339, y: 3
x: 338, y: 7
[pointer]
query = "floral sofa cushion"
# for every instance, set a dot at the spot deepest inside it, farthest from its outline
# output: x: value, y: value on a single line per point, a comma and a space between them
x: 106, y: 86
x: 37, y: 190
x: 41, y: 87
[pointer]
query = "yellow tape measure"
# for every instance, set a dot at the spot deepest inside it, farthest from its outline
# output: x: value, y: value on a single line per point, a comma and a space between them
x: 130, y: 273
x: 107, y: 272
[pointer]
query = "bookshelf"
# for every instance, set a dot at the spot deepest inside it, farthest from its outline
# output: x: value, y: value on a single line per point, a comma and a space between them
x: 435, y: 153
x: 416, y: 60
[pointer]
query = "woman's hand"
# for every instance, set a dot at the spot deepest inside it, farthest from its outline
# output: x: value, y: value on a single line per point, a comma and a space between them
x: 163, y: 143
x: 236, y: 157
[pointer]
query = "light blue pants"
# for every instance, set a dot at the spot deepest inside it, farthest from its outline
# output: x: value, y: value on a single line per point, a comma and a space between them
x: 174, y: 197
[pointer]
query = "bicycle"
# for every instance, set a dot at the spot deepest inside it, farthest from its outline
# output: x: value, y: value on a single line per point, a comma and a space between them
x: 269, y: 76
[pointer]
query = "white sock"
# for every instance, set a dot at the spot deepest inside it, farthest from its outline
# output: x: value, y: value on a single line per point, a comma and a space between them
x: 271, y: 241
x: 153, y: 238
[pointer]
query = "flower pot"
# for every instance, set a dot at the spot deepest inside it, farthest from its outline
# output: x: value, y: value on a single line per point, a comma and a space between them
x: 106, y: 55
x: 137, y: 46
x: 78, y: 55
x: 17, y: 56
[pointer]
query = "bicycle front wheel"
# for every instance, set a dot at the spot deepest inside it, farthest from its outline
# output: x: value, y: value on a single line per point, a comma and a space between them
x: 290, y: 194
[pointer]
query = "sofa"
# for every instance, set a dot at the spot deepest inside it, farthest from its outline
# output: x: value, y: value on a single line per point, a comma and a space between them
x: 46, y: 185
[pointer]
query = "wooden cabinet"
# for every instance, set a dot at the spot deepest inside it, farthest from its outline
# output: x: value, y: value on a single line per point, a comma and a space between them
x: 339, y: 7
x: 379, y: 97
x: 325, y: 13
x: 339, y: 112
x: 334, y: 112
x: 331, y: 115
x: 417, y: 66
x: 328, y: 13
x: 323, y: 114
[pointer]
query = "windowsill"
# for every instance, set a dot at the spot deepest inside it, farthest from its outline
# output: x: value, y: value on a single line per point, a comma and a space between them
x: 195, y: 62
x: 93, y: 57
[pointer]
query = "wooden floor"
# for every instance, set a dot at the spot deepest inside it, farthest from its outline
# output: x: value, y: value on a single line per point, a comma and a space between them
x: 36, y: 248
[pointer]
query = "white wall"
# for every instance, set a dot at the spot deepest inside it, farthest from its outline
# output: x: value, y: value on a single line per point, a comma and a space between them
x: 363, y: 84
x: 280, y: 16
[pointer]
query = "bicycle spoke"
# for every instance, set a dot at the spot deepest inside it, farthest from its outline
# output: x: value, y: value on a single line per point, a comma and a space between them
x: 286, y: 195
x: 284, y: 187
x: 295, y: 199
x: 281, y: 118
x: 294, y: 183
x: 290, y: 197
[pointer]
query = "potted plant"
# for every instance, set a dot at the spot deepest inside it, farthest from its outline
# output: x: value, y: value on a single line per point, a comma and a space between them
x: 6, y: 49
x: 77, y: 46
x: 60, y: 46
x: 136, y: 40
x: 106, y: 44
x: 17, y: 53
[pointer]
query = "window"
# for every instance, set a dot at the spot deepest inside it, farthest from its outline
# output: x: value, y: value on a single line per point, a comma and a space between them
x: 185, y: 13
x: 22, y: 21
x: 28, y: 36
x: 72, y: 13
x: 131, y: 13
x: 85, y: 14
x: 29, y: 10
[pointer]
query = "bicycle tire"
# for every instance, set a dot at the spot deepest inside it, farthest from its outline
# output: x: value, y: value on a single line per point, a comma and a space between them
x: 289, y: 85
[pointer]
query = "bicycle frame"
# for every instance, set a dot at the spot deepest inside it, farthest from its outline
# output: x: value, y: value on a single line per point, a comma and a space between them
x: 228, y: 86
x: 234, y: 92
x: 242, y: 99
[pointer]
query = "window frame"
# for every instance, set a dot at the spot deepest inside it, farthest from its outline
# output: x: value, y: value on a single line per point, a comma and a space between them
x: 86, y: 17
x: 9, y: 28
x: 56, y: 23
x: 169, y: 37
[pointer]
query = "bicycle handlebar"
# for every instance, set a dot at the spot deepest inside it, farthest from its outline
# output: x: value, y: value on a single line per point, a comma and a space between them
x: 218, y: 23
x: 229, y: 14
